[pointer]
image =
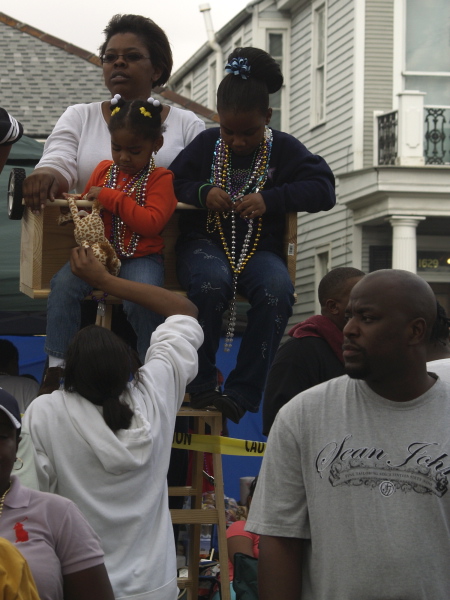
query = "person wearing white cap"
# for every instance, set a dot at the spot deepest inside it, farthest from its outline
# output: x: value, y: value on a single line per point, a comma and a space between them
x: 62, y: 550
x: 10, y: 132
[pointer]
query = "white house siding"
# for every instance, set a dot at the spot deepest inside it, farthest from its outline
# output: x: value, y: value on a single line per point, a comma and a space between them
x: 200, y: 85
x: 199, y: 75
x: 333, y: 140
x: 379, y: 57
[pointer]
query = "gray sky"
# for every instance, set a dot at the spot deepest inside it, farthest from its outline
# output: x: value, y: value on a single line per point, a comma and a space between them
x: 81, y: 22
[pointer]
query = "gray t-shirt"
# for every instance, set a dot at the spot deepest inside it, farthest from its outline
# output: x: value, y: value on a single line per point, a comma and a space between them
x: 364, y: 480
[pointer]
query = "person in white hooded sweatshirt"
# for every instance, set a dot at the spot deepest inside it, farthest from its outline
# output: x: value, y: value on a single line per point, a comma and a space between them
x: 105, y: 443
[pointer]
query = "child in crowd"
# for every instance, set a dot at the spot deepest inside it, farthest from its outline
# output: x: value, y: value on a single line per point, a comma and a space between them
x: 248, y: 177
x: 138, y: 200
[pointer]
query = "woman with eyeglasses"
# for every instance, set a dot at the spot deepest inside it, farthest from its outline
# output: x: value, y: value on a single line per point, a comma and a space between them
x: 136, y: 57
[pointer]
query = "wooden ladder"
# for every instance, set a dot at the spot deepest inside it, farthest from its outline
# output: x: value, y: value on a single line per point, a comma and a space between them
x: 195, y: 517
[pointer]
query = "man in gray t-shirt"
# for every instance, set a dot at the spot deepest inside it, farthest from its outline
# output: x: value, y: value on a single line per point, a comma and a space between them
x: 352, y: 499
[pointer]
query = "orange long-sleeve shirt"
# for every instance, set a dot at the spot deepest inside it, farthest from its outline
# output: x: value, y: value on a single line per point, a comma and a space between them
x: 148, y: 220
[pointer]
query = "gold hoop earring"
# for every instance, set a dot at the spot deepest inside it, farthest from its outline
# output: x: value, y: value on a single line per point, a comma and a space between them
x: 21, y: 464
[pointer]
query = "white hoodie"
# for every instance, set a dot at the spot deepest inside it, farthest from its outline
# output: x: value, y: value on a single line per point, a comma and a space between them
x: 119, y: 480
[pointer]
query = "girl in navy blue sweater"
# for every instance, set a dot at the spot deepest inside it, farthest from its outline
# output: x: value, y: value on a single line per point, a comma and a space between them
x: 247, y: 177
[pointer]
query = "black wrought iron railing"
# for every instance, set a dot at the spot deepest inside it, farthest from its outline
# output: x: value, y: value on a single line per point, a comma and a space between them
x: 387, y: 138
x: 436, y: 142
x: 436, y: 149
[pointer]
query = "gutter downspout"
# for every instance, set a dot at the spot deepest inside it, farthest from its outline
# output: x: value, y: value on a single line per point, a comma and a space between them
x: 206, y: 10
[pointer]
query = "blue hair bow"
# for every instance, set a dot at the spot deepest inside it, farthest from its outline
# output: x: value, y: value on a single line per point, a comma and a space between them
x: 238, y: 66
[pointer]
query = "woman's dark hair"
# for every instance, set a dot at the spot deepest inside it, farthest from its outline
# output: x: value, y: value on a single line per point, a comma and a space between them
x: 238, y: 94
x: 151, y: 35
x: 440, y: 331
x: 98, y: 367
x: 139, y: 116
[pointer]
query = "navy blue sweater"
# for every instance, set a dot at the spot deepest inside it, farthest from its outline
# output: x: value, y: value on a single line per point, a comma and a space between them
x: 297, y: 181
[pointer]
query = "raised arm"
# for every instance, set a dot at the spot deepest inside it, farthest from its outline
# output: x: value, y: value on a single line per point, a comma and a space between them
x: 162, y: 301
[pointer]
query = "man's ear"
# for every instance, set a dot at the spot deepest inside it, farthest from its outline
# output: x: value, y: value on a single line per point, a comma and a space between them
x: 332, y: 306
x: 417, y: 331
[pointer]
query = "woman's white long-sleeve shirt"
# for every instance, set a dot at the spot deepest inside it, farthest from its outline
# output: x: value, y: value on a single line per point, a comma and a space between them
x: 81, y: 139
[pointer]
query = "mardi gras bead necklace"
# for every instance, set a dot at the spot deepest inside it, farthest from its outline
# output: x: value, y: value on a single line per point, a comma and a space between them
x: 2, y: 499
x: 137, y: 183
x: 222, y: 176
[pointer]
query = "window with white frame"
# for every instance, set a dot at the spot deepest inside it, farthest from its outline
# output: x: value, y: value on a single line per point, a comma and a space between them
x: 427, y: 49
x: 319, y: 55
x: 275, y: 43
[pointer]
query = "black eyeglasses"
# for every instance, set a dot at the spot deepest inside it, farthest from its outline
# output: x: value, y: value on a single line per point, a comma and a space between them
x: 128, y: 57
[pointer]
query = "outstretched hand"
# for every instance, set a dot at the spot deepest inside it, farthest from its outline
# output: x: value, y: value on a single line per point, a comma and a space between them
x: 85, y: 266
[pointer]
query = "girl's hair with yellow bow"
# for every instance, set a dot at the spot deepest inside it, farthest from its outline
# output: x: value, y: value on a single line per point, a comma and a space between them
x: 142, y: 117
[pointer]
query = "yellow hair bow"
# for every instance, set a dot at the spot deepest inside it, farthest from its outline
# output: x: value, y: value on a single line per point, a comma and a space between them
x: 116, y: 110
x: 145, y: 112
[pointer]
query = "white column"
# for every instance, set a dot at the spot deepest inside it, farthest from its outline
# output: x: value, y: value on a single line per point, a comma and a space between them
x: 404, y: 245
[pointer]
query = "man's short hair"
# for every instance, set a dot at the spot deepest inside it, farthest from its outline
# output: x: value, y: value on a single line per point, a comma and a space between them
x: 332, y: 283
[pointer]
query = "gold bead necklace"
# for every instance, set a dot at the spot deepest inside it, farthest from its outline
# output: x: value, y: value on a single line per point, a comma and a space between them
x: 222, y: 176
x: 2, y: 499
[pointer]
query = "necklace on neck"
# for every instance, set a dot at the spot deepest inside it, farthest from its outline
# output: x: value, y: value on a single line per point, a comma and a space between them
x: 2, y: 499
x: 137, y: 183
x: 236, y: 187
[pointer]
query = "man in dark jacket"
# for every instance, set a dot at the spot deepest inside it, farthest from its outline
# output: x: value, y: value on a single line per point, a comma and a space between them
x: 314, y: 354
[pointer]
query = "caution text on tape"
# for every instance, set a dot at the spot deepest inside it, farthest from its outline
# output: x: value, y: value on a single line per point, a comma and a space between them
x: 218, y: 444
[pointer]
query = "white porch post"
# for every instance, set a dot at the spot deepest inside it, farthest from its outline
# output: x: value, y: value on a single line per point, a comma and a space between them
x: 404, y: 245
x: 410, y: 129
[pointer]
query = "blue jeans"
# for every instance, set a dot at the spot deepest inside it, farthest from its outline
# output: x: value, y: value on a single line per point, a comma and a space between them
x: 67, y: 291
x: 204, y: 271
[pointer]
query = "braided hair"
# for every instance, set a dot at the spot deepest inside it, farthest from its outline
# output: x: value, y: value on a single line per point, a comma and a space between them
x: 252, y: 75
x: 141, y: 117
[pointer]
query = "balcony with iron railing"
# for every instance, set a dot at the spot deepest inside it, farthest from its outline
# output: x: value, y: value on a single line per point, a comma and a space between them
x: 409, y: 180
x: 414, y: 135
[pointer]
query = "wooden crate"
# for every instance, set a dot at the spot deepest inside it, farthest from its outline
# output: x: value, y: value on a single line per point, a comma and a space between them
x: 45, y: 248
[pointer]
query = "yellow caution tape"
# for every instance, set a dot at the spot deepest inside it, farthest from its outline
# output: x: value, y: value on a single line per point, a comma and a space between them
x: 217, y: 444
